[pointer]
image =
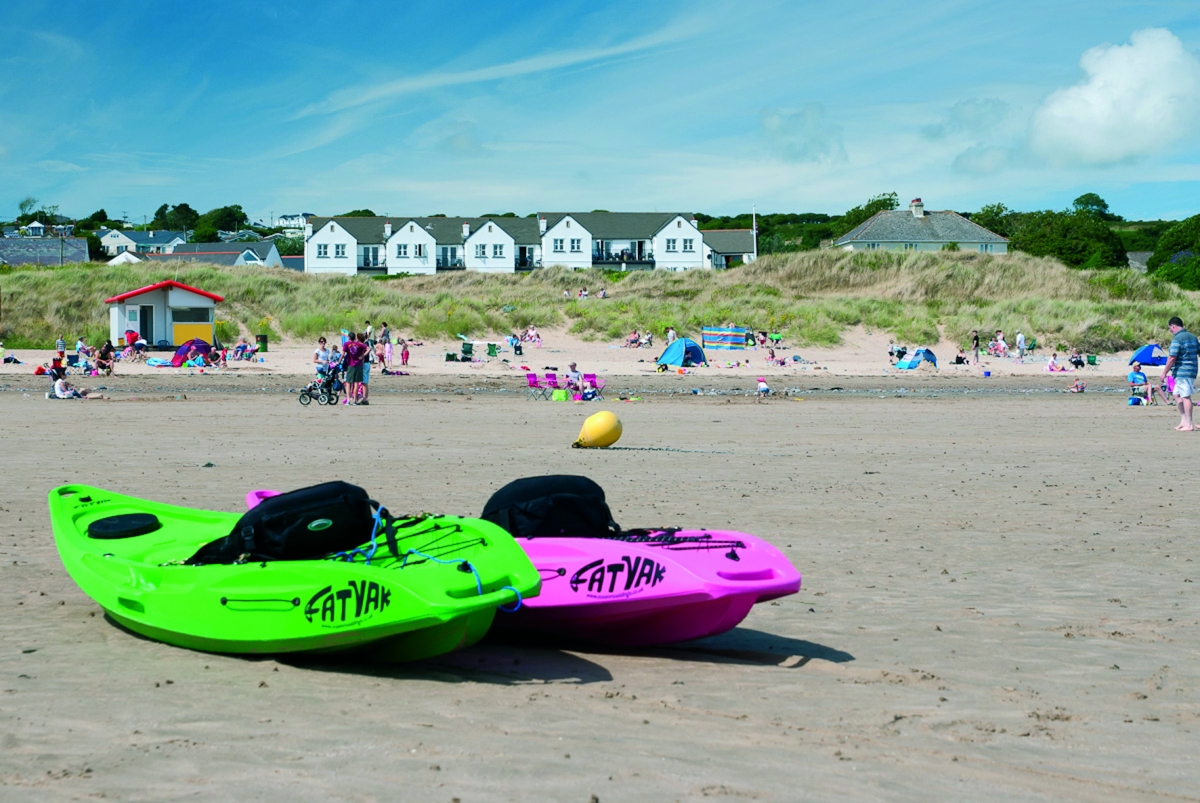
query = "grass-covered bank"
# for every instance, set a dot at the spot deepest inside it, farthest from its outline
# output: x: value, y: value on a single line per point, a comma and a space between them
x: 813, y: 297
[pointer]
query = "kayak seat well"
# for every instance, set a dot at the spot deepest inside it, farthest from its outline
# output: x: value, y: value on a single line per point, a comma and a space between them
x: 127, y: 525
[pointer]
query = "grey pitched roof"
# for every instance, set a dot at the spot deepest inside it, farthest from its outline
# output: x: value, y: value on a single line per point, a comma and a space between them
x: 618, y: 225
x: 262, y: 248
x: 159, y: 237
x: 524, y: 230
x: 362, y: 229
x: 32, y: 251
x: 730, y: 241
x: 900, y: 226
x: 445, y: 230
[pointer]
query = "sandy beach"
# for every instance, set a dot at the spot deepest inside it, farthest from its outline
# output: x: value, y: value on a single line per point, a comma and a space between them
x: 999, y: 603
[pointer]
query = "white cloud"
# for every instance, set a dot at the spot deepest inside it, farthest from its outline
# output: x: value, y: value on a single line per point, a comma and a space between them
x: 803, y: 136
x: 1137, y: 100
x: 353, y: 97
x: 974, y: 116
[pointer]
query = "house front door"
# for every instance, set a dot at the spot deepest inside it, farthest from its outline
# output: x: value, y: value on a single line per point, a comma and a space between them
x: 371, y: 256
x: 641, y: 250
x: 146, y: 323
x: 449, y: 255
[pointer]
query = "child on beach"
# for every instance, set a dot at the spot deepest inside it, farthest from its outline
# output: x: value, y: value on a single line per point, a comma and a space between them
x: 1079, y: 386
x: 404, y: 352
x: 763, y: 388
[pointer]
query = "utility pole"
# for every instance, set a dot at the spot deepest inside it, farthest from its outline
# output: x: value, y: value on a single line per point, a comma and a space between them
x: 754, y: 228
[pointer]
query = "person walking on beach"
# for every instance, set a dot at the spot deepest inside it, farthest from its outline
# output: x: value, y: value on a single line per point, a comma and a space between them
x: 1182, y: 364
x: 352, y: 359
x: 1020, y: 346
x: 975, y: 345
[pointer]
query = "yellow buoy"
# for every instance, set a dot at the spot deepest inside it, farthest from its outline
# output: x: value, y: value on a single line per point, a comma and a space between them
x: 599, y: 430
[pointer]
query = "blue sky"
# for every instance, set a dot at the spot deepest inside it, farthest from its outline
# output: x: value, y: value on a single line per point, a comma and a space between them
x: 467, y: 108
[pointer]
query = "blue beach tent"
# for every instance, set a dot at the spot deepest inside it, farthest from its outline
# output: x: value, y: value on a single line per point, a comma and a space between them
x: 918, y: 357
x: 684, y: 350
x: 1149, y: 354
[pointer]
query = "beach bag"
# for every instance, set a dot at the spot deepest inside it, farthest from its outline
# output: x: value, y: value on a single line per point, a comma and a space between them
x: 304, y: 524
x: 560, y: 395
x: 555, y: 505
x: 1135, y: 401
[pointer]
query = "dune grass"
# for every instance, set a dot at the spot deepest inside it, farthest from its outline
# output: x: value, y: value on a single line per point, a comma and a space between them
x: 812, y: 297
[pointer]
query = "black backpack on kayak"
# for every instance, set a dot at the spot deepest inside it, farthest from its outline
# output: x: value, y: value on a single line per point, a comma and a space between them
x: 304, y: 524
x: 555, y: 505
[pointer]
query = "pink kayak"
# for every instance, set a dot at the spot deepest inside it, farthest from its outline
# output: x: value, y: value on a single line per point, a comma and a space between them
x: 632, y: 587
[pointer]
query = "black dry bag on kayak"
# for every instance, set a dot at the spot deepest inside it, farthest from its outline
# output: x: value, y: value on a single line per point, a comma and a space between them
x: 304, y: 524
x: 555, y: 505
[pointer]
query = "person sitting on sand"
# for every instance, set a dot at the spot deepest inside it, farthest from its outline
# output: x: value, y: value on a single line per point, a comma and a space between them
x: 1052, y: 365
x: 1079, y: 386
x: 106, y: 357
x: 763, y: 388
x: 961, y: 358
x: 634, y: 340
x: 1001, y: 345
x: 64, y: 390
x: 1139, y: 387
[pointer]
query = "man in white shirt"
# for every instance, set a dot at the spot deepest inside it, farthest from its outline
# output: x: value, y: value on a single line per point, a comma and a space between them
x: 1020, y: 346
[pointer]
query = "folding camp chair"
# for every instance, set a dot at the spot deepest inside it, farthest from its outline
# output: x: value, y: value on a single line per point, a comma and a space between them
x: 468, y: 351
x: 552, y: 383
x: 597, y: 383
x: 493, y: 351
x: 1091, y: 359
x: 536, y: 389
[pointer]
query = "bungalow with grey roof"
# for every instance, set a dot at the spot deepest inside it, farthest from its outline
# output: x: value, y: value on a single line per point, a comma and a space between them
x: 41, y: 251
x: 915, y: 229
x: 159, y: 241
x: 724, y: 248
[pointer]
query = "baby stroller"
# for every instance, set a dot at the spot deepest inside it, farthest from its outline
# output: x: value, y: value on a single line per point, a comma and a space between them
x: 324, y: 388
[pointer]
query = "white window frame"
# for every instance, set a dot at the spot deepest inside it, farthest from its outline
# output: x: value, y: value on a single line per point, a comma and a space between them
x: 419, y: 250
x: 671, y: 243
x: 339, y: 251
x: 481, y: 250
x: 322, y: 250
x: 498, y: 250
x: 402, y: 250
x: 576, y: 245
x: 558, y: 245
x: 689, y: 245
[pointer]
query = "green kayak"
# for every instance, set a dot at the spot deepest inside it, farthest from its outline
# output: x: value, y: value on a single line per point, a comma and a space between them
x: 422, y: 586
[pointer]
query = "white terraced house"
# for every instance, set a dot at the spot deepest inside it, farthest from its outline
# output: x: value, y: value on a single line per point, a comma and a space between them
x: 398, y: 244
x: 424, y: 245
x: 914, y: 229
x: 622, y: 240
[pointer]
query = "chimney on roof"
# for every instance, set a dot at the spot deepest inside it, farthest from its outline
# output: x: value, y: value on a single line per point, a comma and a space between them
x: 917, y: 207
x: 151, y: 234
x: 466, y: 229
x: 387, y: 230
x: 307, y: 229
x: 695, y: 223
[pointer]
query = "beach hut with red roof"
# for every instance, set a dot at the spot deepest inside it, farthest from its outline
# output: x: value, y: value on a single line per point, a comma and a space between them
x: 165, y: 314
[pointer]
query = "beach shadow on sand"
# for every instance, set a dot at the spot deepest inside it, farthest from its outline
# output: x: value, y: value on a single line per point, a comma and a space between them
x: 504, y: 664
x: 486, y: 662
x: 742, y: 645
